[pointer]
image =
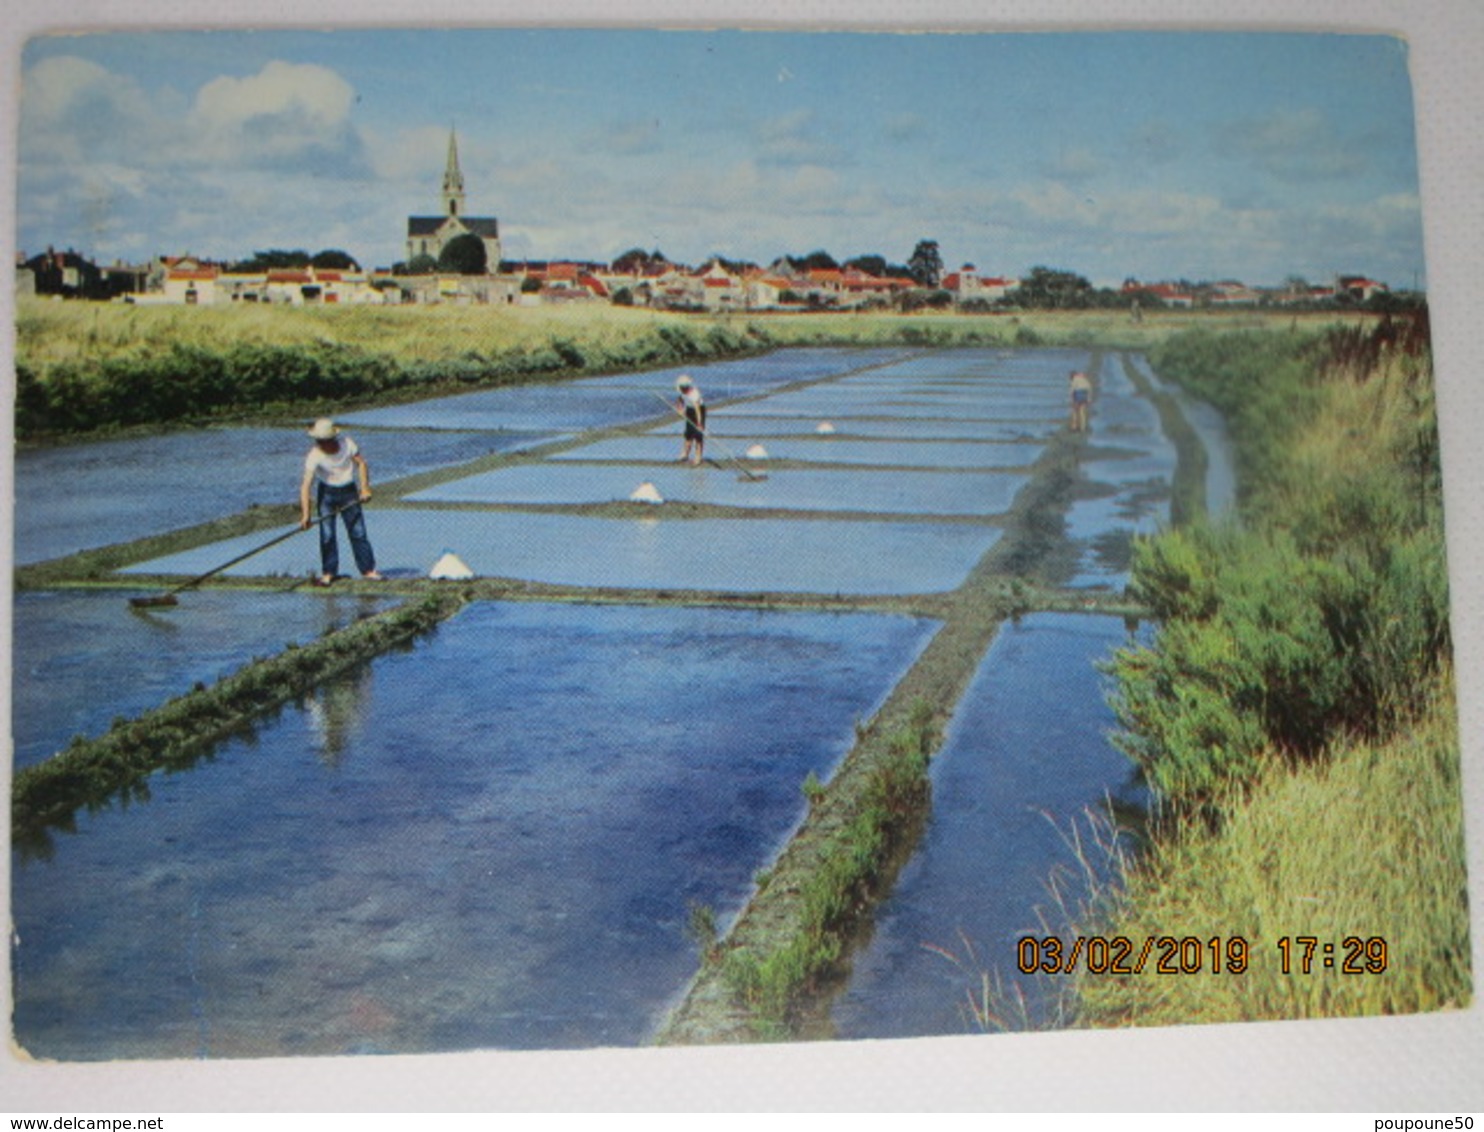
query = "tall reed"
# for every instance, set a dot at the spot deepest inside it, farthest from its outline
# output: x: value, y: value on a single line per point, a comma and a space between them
x: 1296, y: 712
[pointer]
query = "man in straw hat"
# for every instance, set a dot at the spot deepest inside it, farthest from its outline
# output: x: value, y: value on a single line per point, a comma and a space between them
x: 337, y: 469
x: 689, y: 404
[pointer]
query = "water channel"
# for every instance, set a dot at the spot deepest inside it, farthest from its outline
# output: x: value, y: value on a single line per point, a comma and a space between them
x: 497, y: 837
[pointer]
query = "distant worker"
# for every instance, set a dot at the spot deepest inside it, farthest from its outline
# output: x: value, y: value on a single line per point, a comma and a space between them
x: 690, y: 405
x: 338, y: 471
x: 1081, y: 389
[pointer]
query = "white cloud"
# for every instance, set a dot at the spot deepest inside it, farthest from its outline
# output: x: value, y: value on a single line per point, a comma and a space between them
x: 289, y: 116
x: 313, y: 95
x: 76, y: 111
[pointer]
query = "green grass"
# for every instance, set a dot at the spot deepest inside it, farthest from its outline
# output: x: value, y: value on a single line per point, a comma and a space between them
x: 770, y: 979
x: 85, y: 367
x: 1367, y: 842
x: 1295, y: 714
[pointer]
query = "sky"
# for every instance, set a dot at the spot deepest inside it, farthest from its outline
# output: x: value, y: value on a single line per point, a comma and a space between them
x: 1180, y: 155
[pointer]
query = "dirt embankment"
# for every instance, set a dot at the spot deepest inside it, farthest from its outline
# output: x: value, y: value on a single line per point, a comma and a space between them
x: 792, y: 940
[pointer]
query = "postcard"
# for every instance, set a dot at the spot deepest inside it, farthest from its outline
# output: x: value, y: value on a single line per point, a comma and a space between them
x: 623, y: 540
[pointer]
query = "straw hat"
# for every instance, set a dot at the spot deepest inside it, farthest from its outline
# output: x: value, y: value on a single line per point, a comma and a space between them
x: 683, y: 381
x: 323, y: 429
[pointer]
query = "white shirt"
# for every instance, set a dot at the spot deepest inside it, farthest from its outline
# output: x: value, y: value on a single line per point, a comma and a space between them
x: 333, y: 469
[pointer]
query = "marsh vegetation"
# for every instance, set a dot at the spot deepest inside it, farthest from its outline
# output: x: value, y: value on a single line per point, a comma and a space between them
x: 86, y: 367
x: 1295, y: 715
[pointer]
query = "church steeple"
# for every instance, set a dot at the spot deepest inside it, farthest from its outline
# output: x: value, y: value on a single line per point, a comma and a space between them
x: 453, y: 180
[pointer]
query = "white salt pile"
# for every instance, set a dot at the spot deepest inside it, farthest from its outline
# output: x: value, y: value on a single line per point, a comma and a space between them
x: 757, y: 452
x: 646, y: 493
x: 450, y: 566
x: 825, y: 428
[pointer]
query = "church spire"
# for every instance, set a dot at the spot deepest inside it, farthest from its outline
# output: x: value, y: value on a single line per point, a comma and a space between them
x: 453, y: 180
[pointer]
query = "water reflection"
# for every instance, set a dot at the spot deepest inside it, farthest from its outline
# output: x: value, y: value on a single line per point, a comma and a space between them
x: 494, y: 842
x: 336, y: 712
x: 80, y: 659
x: 1029, y: 796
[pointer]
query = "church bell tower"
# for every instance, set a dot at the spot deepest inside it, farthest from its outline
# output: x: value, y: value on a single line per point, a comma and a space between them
x: 453, y: 181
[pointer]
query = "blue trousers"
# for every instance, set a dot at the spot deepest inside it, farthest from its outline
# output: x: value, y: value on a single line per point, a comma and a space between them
x: 332, y: 499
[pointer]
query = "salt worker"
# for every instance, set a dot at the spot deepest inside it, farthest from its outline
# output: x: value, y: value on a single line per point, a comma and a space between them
x: 1081, y: 391
x: 690, y: 405
x: 341, y: 480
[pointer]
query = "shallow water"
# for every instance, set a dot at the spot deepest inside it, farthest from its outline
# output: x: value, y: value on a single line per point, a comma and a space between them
x: 492, y: 840
x: 1210, y: 425
x: 70, y: 649
x: 1047, y: 366
x: 760, y: 555
x: 748, y: 376
x: 584, y: 403
x: 90, y: 494
x: 1025, y: 757
x: 1133, y: 482
x: 459, y: 846
x: 945, y: 428
x: 815, y: 403
x: 824, y: 450
x: 916, y: 492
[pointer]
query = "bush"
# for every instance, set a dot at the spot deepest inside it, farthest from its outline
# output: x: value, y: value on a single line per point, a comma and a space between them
x: 1318, y: 615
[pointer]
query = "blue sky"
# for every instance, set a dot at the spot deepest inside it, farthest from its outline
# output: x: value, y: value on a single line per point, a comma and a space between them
x: 1158, y: 155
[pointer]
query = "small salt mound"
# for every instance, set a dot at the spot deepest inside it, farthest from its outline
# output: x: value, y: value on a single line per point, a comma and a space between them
x: 825, y: 428
x: 757, y: 452
x: 646, y: 493
x: 450, y: 566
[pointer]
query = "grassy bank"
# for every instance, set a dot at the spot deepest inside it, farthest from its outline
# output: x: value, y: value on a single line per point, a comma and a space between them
x: 91, y: 772
x: 1295, y: 715
x: 855, y: 863
x: 83, y: 367
x: 1364, y: 843
x: 791, y: 943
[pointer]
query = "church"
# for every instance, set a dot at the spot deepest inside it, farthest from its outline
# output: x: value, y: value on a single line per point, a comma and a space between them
x: 429, y: 235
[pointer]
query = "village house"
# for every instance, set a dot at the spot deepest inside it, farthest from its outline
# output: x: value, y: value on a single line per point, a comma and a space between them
x: 73, y: 276
x: 181, y: 280
x: 1230, y: 293
x: 836, y: 287
x: 767, y: 291
x: 301, y: 285
x: 1167, y: 294
x: 190, y: 281
x: 863, y: 287
x: 967, y: 285
x: 561, y: 281
x: 1360, y: 288
x: 720, y: 289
